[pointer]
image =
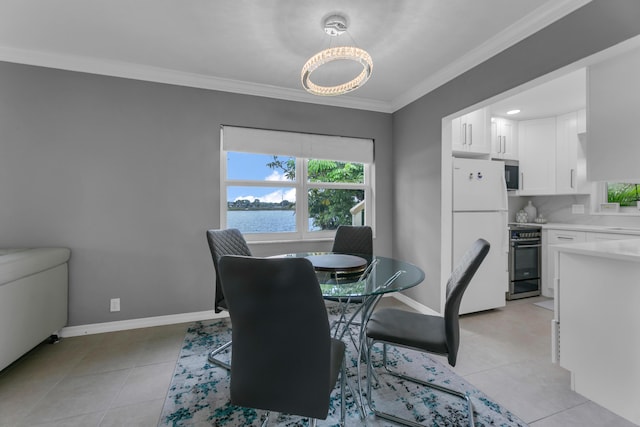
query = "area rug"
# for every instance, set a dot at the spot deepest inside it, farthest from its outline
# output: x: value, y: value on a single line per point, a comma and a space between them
x: 199, y: 391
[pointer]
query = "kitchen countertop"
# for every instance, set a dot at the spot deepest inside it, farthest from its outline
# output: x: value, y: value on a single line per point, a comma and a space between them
x: 624, y: 250
x: 583, y: 227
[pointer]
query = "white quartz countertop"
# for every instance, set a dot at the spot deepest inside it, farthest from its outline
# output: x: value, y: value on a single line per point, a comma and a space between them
x: 625, y: 250
x: 584, y: 227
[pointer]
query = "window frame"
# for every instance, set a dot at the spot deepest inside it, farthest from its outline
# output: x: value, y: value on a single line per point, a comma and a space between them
x: 601, y: 196
x: 302, y: 187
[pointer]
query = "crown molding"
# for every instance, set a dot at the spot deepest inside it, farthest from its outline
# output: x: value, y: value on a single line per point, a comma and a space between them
x: 179, y: 78
x: 535, y: 21
x: 518, y: 31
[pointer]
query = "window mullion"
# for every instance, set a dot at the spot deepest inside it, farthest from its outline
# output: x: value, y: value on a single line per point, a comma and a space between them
x: 302, y: 213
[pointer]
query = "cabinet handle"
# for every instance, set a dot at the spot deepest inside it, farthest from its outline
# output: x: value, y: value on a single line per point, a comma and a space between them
x: 464, y: 134
x: 564, y: 238
x: 522, y: 180
x: 470, y: 134
x: 572, y: 173
x: 500, y: 139
x: 504, y: 142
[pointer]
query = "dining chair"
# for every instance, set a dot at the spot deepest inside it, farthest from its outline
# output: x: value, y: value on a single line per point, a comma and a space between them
x: 284, y: 358
x: 425, y: 333
x: 354, y: 240
x: 224, y: 242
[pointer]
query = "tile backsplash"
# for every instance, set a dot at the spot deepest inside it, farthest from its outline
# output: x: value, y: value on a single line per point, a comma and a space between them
x: 558, y: 209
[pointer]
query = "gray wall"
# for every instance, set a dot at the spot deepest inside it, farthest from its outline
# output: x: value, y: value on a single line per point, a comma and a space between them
x: 417, y: 127
x: 126, y: 174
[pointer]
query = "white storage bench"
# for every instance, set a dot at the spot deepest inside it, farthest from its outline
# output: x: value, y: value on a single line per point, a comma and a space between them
x: 33, y: 298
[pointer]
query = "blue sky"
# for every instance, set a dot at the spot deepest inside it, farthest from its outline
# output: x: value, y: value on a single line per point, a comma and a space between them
x: 254, y: 167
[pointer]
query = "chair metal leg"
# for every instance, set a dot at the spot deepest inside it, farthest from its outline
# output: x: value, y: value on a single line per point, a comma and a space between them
x: 342, y: 384
x: 212, y: 356
x: 438, y: 387
x: 265, y: 421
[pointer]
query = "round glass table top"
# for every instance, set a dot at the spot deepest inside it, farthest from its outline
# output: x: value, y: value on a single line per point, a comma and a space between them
x: 381, y: 275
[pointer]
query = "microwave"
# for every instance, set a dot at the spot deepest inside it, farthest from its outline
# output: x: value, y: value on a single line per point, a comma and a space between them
x: 511, y: 177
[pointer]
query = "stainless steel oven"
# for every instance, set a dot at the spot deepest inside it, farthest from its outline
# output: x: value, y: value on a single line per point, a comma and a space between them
x: 525, y: 254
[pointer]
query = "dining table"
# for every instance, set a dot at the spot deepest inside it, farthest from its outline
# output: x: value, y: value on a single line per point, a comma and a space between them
x: 359, y: 278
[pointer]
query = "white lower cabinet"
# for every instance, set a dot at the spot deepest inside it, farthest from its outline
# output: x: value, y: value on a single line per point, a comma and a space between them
x: 595, y: 237
x: 555, y: 237
x: 559, y: 237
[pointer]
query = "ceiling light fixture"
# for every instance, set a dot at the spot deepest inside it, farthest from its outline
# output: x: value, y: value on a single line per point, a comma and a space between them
x: 512, y: 112
x: 334, y: 26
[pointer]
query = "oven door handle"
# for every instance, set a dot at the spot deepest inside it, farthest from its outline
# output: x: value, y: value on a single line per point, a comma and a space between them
x: 517, y: 246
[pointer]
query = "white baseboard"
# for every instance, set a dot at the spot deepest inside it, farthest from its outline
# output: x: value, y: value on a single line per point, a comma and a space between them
x: 421, y: 308
x: 146, y: 322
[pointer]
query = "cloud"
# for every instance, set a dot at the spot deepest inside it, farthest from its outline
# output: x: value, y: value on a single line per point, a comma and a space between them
x: 276, y: 176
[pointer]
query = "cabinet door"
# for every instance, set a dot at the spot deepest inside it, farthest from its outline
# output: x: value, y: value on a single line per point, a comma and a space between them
x: 504, y: 139
x: 537, y: 154
x: 556, y: 237
x: 571, y: 164
x: 457, y: 137
x: 496, y: 141
x: 477, y: 128
x: 509, y: 139
x: 567, y: 154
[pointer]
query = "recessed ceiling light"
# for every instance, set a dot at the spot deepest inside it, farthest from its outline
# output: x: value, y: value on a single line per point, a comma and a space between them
x: 512, y: 112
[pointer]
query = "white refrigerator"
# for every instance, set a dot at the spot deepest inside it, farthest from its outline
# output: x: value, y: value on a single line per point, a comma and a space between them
x: 480, y: 211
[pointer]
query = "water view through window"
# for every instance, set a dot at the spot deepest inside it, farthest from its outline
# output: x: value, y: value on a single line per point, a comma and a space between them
x: 262, y: 192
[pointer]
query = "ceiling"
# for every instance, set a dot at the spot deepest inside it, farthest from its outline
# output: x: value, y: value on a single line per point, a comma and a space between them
x: 259, y: 46
x: 553, y: 98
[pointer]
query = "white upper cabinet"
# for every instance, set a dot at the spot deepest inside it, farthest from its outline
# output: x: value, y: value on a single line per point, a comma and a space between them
x: 537, y: 154
x: 504, y: 139
x: 470, y: 134
x: 571, y: 163
x: 552, y: 156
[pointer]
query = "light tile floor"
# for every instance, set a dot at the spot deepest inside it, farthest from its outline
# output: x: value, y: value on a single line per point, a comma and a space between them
x: 121, y: 378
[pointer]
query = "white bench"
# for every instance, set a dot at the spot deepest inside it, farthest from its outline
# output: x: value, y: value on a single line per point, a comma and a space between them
x: 33, y: 298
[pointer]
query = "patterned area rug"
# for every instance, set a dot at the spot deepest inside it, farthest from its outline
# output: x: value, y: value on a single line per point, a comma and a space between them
x: 199, y: 391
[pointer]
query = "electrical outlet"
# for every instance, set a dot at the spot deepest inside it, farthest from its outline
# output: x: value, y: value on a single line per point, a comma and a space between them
x: 115, y: 304
x: 577, y: 209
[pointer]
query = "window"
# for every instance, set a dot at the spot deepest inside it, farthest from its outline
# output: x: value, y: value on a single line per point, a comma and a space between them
x: 289, y: 186
x: 626, y: 194
x: 616, y: 198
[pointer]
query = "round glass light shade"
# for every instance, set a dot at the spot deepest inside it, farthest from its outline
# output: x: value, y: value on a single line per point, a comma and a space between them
x: 334, y: 54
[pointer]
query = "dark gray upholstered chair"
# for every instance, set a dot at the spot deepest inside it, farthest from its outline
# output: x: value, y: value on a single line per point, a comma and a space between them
x: 283, y: 357
x: 224, y: 242
x: 356, y: 240
x: 432, y: 334
x: 353, y: 239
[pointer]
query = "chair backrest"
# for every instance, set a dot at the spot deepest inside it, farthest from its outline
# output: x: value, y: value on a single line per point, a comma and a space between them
x: 457, y: 284
x: 353, y: 239
x: 281, y: 339
x: 221, y: 243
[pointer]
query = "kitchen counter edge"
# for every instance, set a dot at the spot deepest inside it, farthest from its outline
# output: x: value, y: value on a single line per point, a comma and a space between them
x: 581, y: 227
